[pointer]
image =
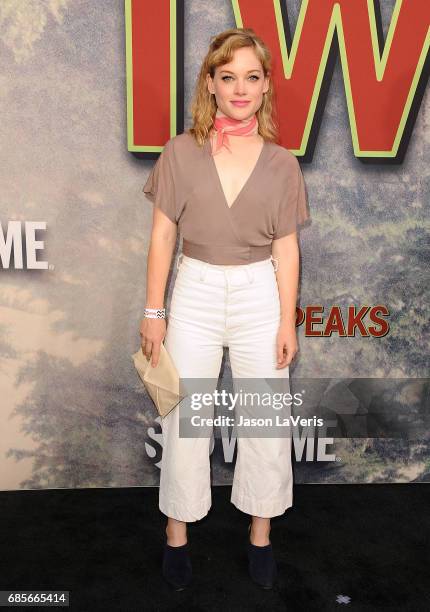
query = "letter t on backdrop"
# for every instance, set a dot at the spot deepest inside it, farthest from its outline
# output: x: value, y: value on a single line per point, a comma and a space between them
x: 155, y: 73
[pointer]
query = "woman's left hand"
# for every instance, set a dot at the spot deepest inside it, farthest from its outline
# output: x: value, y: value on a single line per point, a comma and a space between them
x: 286, y: 344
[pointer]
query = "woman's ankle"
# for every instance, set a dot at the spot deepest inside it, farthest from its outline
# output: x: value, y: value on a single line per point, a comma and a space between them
x: 260, y: 532
x: 176, y: 533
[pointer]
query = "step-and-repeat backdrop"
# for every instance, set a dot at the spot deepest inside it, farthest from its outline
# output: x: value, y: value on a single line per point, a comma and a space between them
x: 90, y: 92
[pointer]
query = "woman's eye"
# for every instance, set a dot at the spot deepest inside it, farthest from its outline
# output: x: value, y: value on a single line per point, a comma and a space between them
x: 253, y: 76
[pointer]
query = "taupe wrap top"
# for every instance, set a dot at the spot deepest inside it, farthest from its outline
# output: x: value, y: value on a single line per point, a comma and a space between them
x: 184, y: 183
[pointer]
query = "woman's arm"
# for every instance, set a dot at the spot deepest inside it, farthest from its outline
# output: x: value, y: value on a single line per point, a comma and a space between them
x: 286, y: 250
x: 161, y: 247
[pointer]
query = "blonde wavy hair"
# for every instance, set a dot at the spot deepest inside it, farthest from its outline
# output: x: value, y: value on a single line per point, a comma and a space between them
x: 203, y: 105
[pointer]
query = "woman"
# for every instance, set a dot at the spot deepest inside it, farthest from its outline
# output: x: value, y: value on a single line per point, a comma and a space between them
x: 237, y: 198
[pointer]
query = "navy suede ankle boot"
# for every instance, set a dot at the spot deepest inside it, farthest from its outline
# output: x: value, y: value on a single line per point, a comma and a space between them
x: 177, y: 569
x: 261, y: 564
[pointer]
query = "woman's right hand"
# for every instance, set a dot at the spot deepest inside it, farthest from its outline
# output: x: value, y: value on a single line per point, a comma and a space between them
x: 152, y: 332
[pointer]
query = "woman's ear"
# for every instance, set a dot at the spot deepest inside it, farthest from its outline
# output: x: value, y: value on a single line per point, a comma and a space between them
x: 210, y: 83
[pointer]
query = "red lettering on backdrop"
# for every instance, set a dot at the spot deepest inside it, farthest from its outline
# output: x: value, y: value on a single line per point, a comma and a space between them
x: 377, y: 91
x: 300, y: 316
x: 373, y: 315
x: 153, y: 48
x: 312, y: 319
x: 151, y: 91
x: 355, y: 320
x: 334, y: 322
x: 380, y: 83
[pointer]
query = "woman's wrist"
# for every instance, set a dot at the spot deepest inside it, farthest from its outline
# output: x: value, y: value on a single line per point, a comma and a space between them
x: 154, y: 304
x: 289, y: 319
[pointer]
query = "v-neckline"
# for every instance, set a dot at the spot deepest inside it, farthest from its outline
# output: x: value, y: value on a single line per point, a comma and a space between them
x: 218, y: 179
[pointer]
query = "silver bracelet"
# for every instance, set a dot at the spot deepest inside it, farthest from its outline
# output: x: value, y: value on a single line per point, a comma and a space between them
x: 155, y: 313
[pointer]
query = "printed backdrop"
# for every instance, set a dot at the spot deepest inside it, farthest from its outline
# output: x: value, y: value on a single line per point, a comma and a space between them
x: 73, y: 412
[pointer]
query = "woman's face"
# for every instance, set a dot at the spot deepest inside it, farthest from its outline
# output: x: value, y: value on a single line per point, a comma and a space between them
x: 241, y: 80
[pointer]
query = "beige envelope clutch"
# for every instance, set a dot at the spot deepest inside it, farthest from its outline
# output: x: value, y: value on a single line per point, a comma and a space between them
x: 161, y: 382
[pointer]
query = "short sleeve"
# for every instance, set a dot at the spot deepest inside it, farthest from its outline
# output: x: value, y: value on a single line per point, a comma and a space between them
x: 294, y: 206
x: 160, y: 184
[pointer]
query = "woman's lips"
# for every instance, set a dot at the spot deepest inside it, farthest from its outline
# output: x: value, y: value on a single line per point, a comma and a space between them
x: 240, y: 103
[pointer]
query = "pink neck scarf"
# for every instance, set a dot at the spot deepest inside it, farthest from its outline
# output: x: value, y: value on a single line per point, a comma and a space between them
x: 223, y: 126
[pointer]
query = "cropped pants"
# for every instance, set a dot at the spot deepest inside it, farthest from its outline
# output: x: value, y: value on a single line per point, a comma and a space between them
x: 213, y: 306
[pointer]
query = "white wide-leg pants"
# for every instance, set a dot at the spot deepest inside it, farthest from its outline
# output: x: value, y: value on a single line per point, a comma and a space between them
x: 214, y: 306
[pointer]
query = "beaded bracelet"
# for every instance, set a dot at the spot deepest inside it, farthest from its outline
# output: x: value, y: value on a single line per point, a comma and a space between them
x: 155, y: 313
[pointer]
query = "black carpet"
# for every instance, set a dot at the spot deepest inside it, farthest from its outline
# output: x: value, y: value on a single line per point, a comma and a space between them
x: 368, y: 544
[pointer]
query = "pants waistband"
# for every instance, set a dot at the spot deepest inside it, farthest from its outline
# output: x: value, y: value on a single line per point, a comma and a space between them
x: 203, y: 268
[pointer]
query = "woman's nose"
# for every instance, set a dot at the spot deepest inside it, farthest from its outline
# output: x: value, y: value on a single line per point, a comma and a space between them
x: 240, y: 87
